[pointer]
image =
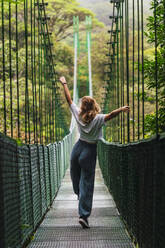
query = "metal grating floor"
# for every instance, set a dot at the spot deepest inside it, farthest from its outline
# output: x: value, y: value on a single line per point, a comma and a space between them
x: 60, y: 228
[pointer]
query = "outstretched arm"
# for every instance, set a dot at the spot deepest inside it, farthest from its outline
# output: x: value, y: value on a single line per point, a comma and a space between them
x: 115, y: 112
x: 66, y: 90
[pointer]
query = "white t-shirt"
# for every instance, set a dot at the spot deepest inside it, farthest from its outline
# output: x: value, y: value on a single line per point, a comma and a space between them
x: 92, y: 131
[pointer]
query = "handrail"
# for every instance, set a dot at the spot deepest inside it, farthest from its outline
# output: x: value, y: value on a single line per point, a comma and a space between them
x: 134, y: 174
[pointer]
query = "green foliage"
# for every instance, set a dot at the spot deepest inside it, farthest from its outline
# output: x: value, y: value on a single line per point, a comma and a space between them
x: 99, y: 59
x: 12, y: 1
x: 147, y: 96
x: 150, y: 65
x: 24, y: 226
x: 61, y: 13
x: 150, y: 124
x: 65, y: 66
x: 19, y: 142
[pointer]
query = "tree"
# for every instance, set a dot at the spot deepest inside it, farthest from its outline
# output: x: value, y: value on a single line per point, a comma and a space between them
x: 12, y: 1
x: 61, y: 13
x: 150, y: 65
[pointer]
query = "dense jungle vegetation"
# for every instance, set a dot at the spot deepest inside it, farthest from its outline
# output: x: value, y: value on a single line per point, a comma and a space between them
x: 61, y: 14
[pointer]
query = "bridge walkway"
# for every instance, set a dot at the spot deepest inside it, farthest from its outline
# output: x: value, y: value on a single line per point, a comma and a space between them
x: 61, y: 229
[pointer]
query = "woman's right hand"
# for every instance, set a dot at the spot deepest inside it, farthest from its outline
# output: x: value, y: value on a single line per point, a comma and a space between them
x: 63, y: 80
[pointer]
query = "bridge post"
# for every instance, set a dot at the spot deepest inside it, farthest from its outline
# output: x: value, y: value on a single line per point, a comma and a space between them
x: 76, y: 50
x: 88, y: 34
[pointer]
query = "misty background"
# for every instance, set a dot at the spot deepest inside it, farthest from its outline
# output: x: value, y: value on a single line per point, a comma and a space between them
x: 103, y: 8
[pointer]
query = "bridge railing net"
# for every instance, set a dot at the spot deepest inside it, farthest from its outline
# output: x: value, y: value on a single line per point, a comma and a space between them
x: 30, y: 176
x: 134, y: 174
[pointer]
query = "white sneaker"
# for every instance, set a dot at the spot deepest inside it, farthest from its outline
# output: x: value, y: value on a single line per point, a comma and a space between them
x: 84, y: 222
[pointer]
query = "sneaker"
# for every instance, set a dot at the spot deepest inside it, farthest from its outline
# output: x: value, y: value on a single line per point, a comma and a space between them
x: 84, y: 222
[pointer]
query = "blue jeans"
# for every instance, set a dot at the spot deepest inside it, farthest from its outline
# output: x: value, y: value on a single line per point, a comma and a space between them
x: 83, y: 163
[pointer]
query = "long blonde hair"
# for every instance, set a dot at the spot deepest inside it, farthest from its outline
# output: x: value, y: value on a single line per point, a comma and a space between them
x: 89, y: 109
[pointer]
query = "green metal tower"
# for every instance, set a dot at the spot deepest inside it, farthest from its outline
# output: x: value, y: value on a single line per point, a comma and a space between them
x: 83, y: 50
x: 88, y: 46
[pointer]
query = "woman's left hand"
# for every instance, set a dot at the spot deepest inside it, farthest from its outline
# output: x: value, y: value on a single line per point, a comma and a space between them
x: 125, y: 108
x: 63, y: 80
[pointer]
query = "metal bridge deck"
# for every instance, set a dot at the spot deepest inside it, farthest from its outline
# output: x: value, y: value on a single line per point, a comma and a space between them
x: 61, y: 229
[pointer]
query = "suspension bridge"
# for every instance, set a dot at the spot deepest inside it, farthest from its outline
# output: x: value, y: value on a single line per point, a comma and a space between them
x: 37, y: 205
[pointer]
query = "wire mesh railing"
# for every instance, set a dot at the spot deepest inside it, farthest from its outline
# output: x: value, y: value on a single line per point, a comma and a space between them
x: 30, y: 101
x: 132, y: 156
x: 134, y: 174
x: 30, y: 174
x: 134, y: 60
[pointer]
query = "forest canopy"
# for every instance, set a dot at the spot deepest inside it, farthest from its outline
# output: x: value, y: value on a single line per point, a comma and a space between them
x: 60, y: 25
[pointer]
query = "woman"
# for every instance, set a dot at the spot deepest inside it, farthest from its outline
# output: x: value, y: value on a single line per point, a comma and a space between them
x: 83, y: 157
